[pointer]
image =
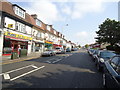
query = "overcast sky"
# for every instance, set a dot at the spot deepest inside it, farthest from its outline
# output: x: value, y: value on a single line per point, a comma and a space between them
x: 82, y: 16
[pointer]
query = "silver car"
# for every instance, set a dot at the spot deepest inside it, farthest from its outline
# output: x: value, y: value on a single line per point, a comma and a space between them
x: 48, y: 53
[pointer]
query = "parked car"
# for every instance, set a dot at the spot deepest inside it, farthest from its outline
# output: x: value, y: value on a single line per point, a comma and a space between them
x: 90, y: 51
x: 49, y: 53
x: 103, y: 56
x: 94, y: 54
x: 68, y: 50
x: 111, y: 75
x: 60, y: 50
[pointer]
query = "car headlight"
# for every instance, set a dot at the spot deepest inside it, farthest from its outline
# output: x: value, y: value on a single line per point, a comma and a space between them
x: 102, y: 60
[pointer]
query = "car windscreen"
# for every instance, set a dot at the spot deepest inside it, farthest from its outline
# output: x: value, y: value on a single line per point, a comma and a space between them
x: 107, y: 54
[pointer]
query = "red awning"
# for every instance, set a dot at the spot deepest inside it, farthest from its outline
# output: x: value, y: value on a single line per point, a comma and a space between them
x: 57, y: 45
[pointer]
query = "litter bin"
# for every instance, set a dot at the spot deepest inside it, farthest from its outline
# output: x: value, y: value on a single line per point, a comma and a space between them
x: 23, y: 52
x: 14, y: 55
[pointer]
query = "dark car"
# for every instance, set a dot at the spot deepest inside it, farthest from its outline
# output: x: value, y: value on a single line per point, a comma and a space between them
x: 90, y: 51
x: 94, y: 54
x: 111, y: 75
x: 103, y: 56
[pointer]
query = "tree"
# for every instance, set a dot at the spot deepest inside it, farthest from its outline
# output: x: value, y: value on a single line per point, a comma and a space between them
x: 79, y: 46
x: 109, y: 31
x: 86, y: 46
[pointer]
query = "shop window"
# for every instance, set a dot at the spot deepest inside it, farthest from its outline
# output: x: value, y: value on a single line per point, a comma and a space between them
x: 7, y: 47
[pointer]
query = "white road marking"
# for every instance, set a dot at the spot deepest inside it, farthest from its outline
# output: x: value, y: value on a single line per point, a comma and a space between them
x: 26, y: 73
x: 17, y: 69
x: 34, y: 66
x: 57, y: 61
x: 6, y: 76
x: 48, y: 61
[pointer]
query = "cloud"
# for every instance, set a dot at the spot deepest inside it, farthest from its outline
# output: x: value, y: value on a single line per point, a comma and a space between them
x: 46, y: 11
x: 82, y: 34
x: 84, y: 37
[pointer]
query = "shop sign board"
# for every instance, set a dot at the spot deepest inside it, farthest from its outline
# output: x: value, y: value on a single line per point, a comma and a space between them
x: 10, y: 34
x: 50, y: 42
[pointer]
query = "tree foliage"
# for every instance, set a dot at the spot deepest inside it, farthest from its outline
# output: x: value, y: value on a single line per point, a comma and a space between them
x: 109, y: 31
x: 86, y: 46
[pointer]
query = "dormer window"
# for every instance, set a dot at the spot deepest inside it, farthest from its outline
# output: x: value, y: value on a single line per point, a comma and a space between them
x: 19, y: 11
x: 48, y: 27
x: 38, y: 22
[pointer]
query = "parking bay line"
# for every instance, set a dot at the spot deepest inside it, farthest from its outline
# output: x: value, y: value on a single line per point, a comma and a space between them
x: 26, y: 73
x: 17, y: 69
x: 56, y: 60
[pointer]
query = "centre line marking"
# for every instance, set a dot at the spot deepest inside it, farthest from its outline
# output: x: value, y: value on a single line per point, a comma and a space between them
x: 26, y: 73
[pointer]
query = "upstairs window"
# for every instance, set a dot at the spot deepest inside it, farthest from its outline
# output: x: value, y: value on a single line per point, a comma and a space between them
x: 48, y: 27
x: 38, y: 22
x: 20, y: 27
x: 18, y: 11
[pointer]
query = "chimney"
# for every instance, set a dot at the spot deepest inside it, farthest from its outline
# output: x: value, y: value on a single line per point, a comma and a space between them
x: 34, y: 16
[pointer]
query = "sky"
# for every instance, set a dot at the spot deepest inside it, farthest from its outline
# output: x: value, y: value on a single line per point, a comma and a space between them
x: 82, y: 16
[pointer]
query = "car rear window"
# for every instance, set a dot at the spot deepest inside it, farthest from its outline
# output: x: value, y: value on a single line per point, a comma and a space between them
x: 57, y: 48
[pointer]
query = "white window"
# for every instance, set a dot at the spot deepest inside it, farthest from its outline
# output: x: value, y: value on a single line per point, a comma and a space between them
x: 20, y: 27
x: 38, y: 22
x: 18, y: 11
x: 48, y: 27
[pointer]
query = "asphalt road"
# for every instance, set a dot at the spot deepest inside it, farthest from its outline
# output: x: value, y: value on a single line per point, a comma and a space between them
x: 70, y: 70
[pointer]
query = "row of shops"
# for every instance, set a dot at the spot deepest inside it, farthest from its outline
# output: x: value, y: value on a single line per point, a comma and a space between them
x: 21, y: 35
x: 22, y: 45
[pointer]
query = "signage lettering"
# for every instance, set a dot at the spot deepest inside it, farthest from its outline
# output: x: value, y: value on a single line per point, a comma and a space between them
x: 17, y: 36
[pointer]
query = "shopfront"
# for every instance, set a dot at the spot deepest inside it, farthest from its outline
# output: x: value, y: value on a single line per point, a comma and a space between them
x: 48, y: 44
x: 14, y: 43
x: 37, y: 46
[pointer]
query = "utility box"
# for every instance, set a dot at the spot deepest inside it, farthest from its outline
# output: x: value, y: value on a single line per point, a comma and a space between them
x: 14, y: 55
x: 23, y: 52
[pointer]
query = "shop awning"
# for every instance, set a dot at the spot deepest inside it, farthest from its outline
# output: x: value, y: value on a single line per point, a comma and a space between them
x: 38, y: 41
x: 57, y: 45
x: 18, y: 39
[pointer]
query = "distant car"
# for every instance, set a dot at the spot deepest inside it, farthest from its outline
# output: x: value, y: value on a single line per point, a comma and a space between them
x: 49, y: 53
x: 74, y: 49
x: 60, y: 50
x: 111, y: 75
x: 68, y: 50
x: 103, y: 56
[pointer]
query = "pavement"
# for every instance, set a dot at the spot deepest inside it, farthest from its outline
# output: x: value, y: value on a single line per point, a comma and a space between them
x: 8, y: 60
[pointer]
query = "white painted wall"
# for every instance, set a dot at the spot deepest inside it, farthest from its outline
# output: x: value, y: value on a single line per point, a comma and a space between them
x: 9, y: 21
x: 28, y: 29
x: 29, y: 47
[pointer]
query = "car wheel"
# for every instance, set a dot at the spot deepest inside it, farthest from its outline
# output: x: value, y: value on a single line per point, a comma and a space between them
x: 104, y: 81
